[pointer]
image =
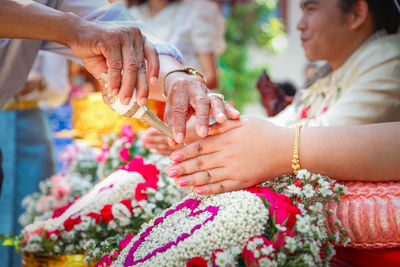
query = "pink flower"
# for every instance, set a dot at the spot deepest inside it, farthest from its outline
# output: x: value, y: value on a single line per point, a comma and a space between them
x: 103, y: 155
x: 124, y: 242
x: 128, y: 133
x: 61, y: 187
x: 44, y: 203
x: 124, y: 155
x: 107, y: 260
x: 196, y: 262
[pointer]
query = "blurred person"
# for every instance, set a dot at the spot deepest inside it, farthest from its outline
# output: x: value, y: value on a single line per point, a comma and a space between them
x: 27, y: 142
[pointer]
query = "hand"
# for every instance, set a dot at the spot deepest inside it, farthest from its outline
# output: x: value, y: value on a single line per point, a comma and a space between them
x: 187, y: 95
x: 112, y: 49
x: 247, y: 152
x: 34, y: 82
x: 154, y: 139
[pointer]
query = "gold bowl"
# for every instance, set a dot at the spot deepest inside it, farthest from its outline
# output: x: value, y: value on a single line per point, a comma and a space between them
x: 43, y: 260
x: 92, y: 119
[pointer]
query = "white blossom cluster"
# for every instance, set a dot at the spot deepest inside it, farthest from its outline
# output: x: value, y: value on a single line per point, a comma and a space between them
x: 241, y: 215
x: 118, y: 186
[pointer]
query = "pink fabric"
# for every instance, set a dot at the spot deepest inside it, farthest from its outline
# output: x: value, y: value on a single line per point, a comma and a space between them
x: 371, y: 213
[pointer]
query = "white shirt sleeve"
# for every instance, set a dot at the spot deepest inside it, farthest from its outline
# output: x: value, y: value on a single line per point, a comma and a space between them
x: 103, y: 11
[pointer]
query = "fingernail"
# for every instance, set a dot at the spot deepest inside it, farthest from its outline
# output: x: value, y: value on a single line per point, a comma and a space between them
x: 172, y: 173
x: 183, y: 182
x: 221, y: 116
x: 153, y: 80
x: 176, y: 157
x: 198, y: 191
x: 203, y: 131
x: 126, y: 100
x: 142, y: 102
x: 179, y: 137
x: 115, y: 92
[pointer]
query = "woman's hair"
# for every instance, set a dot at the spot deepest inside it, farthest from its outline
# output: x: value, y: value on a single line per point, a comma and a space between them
x: 384, y: 13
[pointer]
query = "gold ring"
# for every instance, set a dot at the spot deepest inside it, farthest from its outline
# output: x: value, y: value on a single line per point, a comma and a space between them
x: 220, y: 96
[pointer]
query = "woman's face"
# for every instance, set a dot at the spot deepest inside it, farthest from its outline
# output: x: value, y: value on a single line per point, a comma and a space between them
x: 323, y: 27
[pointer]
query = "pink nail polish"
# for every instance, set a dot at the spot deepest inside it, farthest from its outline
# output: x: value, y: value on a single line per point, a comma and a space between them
x: 172, y: 173
x: 176, y: 157
x: 199, y: 191
x: 183, y: 182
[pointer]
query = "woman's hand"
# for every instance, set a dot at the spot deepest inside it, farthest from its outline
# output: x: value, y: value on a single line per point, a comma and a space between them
x: 246, y: 152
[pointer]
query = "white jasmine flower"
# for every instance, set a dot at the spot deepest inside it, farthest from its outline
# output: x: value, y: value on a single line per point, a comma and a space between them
x: 252, y: 246
x: 266, y: 250
x: 281, y: 228
x: 290, y: 244
x: 303, y: 174
x: 308, y: 260
x: 308, y: 190
x: 264, y: 262
x: 302, y: 226
x: 294, y: 190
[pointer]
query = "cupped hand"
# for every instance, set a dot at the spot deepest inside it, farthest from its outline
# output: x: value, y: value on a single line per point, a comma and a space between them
x: 154, y: 139
x: 117, y: 50
x: 187, y: 96
x: 237, y: 155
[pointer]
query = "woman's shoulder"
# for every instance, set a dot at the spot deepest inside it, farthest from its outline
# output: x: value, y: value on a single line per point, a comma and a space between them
x: 201, y: 7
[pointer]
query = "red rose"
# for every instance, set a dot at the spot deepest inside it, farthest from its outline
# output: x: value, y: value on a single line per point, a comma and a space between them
x: 95, y: 216
x: 71, y: 222
x: 128, y: 204
x: 196, y: 262
x: 56, y: 232
x: 106, y: 213
x: 58, y: 212
x: 140, y: 192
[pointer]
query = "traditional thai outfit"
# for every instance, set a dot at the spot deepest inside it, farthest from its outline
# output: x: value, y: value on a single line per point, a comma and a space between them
x: 365, y: 89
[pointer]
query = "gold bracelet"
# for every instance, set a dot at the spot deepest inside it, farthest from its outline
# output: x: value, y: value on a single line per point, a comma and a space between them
x: 295, y: 156
x: 188, y: 70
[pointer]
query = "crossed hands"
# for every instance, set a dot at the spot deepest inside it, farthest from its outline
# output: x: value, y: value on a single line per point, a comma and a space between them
x: 237, y: 154
x: 124, y: 50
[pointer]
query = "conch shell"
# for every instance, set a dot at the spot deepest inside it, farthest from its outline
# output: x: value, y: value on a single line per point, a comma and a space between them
x: 133, y: 110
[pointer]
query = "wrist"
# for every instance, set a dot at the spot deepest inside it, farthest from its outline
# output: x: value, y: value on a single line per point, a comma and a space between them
x: 72, y: 25
x: 174, y: 77
x: 283, y: 139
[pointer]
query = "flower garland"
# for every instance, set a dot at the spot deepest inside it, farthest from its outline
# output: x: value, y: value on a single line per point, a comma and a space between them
x: 233, y: 229
x: 119, y: 204
x: 193, y: 227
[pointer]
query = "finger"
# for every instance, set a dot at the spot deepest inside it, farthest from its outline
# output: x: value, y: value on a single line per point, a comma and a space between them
x: 227, y: 185
x: 142, y: 90
x: 197, y: 164
x: 218, y: 128
x: 202, y: 107
x: 153, y: 61
x: 195, y: 149
x: 231, y: 111
x: 129, y: 77
x: 180, y: 102
x: 209, y: 176
x: 114, y: 65
x: 218, y: 109
x: 155, y: 139
x: 164, y: 152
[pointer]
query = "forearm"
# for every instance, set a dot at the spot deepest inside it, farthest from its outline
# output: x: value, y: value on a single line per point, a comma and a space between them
x: 167, y: 63
x: 363, y: 152
x: 26, y: 19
